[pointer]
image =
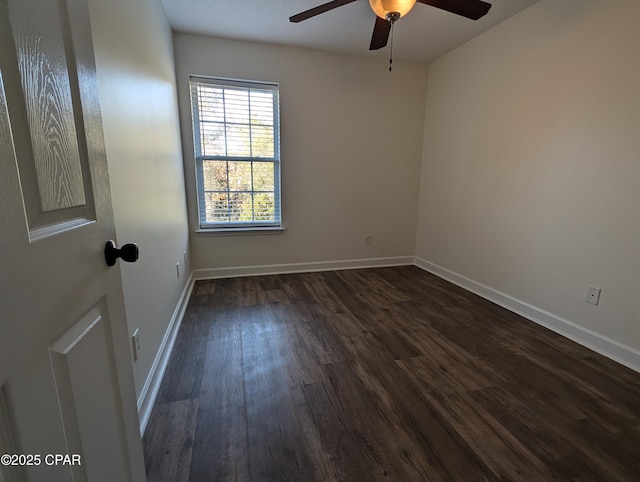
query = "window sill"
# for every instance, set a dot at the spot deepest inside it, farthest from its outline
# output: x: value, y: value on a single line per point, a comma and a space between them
x: 240, y: 231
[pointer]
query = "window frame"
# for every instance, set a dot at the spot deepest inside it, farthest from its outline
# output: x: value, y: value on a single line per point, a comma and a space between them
x: 244, y: 226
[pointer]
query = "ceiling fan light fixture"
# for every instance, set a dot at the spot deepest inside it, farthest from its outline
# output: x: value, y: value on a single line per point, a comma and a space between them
x: 391, y: 8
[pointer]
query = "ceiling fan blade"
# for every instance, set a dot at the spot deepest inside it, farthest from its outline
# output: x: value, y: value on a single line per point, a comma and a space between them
x: 319, y: 9
x: 473, y: 9
x: 380, y: 34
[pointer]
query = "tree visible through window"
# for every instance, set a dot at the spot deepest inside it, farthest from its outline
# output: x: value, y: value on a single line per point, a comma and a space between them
x: 237, y: 150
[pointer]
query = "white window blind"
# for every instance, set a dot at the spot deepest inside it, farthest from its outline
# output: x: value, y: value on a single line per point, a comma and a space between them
x: 237, y: 152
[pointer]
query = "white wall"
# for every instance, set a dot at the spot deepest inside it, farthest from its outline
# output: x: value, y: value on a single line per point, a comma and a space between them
x: 351, y: 137
x: 136, y: 77
x: 530, y: 177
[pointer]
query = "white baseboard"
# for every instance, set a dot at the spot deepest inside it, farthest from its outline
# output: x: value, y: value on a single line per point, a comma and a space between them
x: 149, y: 392
x: 233, y: 272
x: 597, y: 342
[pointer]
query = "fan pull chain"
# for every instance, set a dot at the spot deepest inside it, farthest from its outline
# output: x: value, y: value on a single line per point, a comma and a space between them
x: 391, y: 49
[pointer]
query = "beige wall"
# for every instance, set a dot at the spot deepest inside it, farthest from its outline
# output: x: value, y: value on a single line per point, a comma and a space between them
x: 351, y: 137
x: 530, y: 177
x: 136, y: 78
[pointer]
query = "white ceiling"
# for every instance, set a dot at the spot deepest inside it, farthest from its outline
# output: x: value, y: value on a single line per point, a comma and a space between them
x: 424, y: 34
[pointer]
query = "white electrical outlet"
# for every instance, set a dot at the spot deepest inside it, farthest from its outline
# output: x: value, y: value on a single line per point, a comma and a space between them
x: 593, y: 295
x: 178, y: 269
x: 135, y: 340
x: 368, y: 239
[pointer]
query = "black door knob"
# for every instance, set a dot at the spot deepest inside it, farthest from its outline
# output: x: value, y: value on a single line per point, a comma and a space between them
x: 129, y: 253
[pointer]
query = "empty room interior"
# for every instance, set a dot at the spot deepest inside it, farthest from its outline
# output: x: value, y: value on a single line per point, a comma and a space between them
x: 418, y: 258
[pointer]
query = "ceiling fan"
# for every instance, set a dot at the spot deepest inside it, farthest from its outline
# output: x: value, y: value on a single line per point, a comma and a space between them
x: 388, y: 11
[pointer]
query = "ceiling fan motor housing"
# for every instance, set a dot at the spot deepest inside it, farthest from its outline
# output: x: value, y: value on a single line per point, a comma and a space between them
x: 392, y: 16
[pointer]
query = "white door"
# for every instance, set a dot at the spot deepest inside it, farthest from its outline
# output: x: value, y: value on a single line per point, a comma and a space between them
x: 67, y: 401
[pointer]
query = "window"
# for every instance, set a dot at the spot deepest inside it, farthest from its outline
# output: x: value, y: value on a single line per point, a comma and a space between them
x: 236, y: 132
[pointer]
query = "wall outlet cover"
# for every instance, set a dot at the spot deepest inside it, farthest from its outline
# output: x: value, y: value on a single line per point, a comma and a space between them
x: 593, y: 295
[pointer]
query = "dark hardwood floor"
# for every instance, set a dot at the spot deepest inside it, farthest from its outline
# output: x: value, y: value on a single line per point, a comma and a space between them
x: 383, y: 374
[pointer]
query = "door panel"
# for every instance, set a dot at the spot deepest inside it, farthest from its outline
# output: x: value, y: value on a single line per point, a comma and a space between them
x: 65, y: 363
x: 85, y: 374
x: 42, y: 55
x: 44, y: 102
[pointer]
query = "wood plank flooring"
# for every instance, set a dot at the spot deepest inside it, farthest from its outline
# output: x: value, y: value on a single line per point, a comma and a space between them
x: 383, y: 374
